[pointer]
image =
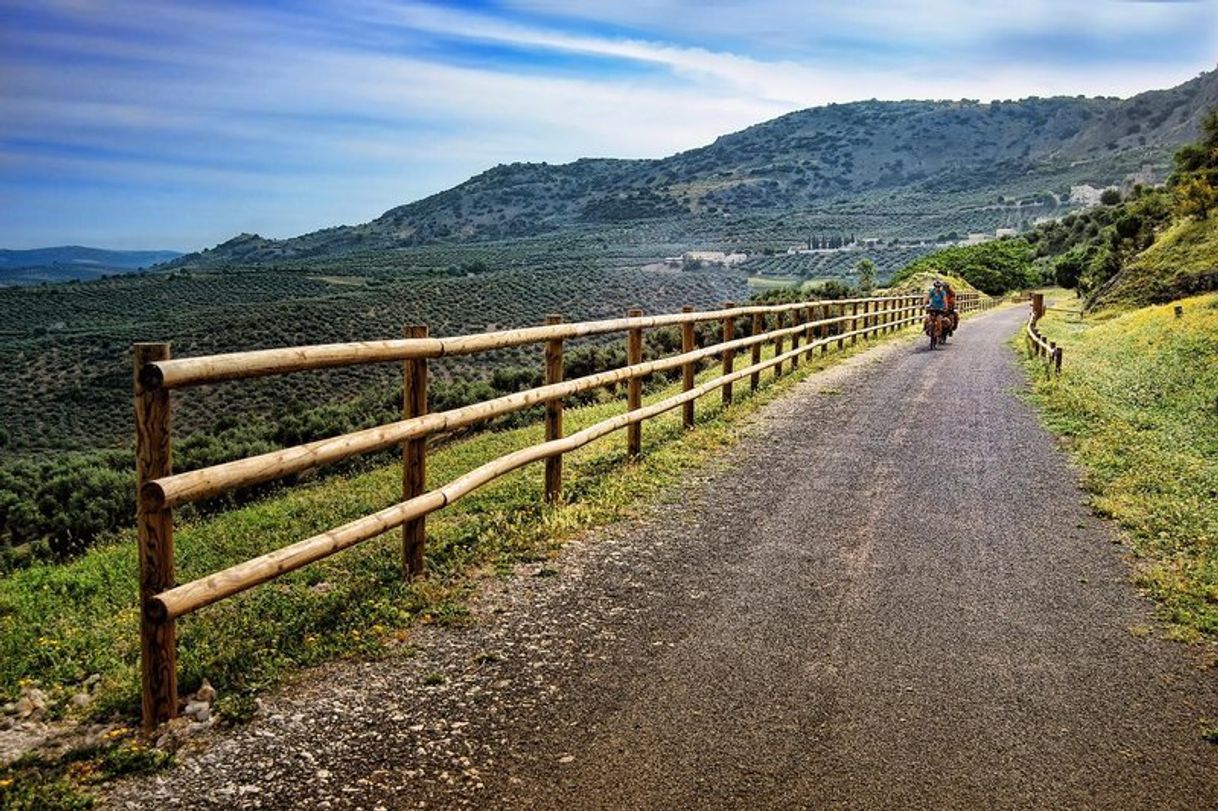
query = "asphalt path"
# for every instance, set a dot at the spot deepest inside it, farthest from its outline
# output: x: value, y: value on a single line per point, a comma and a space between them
x: 890, y: 595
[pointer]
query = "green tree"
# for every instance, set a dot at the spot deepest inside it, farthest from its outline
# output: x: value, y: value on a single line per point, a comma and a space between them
x: 1195, y: 198
x: 1194, y: 183
x: 864, y: 269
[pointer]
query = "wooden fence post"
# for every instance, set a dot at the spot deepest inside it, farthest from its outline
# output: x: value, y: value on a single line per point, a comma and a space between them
x: 779, y: 323
x: 554, y: 373
x: 729, y: 356
x: 841, y: 327
x: 867, y: 320
x: 1057, y: 360
x: 809, y: 330
x: 854, y: 322
x: 795, y: 340
x: 634, y: 388
x: 758, y: 327
x: 154, y: 459
x: 1038, y: 305
x: 414, y: 457
x: 687, y: 369
x: 825, y: 330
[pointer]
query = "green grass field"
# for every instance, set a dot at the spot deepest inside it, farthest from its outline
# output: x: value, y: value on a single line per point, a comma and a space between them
x: 1138, y: 405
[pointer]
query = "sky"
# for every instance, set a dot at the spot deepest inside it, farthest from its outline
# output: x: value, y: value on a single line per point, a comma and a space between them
x: 176, y: 124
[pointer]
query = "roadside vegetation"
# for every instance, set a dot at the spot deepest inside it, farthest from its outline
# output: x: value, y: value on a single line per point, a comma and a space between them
x: 994, y: 267
x: 1138, y: 396
x: 1138, y: 405
x: 1151, y: 246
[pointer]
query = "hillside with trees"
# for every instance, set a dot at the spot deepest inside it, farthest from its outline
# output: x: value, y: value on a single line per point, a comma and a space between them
x: 885, y: 156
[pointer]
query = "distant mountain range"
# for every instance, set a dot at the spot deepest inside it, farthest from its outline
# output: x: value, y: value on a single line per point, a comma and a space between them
x: 902, y: 154
x: 73, y: 262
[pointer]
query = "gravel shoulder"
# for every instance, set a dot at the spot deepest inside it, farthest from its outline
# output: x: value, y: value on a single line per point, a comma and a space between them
x: 890, y: 594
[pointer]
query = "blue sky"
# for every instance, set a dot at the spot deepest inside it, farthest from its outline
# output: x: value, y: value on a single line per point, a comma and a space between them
x: 177, y: 124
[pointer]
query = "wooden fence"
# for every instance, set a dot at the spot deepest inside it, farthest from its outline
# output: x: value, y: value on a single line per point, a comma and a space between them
x: 1047, y: 350
x: 807, y: 326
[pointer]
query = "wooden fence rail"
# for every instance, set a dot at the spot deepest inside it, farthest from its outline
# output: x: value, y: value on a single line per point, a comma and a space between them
x: 1047, y: 350
x: 818, y: 323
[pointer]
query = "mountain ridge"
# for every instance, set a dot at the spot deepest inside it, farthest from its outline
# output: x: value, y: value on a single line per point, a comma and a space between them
x: 801, y: 161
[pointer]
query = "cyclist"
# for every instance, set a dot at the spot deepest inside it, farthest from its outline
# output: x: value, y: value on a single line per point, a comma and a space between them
x: 952, y: 316
x: 936, y: 303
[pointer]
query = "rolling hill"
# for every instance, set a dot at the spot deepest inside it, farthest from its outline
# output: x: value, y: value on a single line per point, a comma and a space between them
x: 886, y: 156
x: 73, y: 263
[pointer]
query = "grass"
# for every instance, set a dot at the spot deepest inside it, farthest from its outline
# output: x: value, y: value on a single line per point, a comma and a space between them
x: 36, y: 784
x: 759, y: 284
x: 1138, y: 405
x: 1180, y: 262
x: 61, y: 623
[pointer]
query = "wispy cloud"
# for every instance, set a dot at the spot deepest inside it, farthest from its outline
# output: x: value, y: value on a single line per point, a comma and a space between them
x: 180, y: 123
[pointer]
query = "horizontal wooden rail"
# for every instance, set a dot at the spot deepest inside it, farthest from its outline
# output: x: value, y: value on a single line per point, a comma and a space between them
x: 185, y: 372
x: 192, y: 596
x: 160, y: 490
x: 210, y: 481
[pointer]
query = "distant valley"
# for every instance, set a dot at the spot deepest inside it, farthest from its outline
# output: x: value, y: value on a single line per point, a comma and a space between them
x: 73, y: 263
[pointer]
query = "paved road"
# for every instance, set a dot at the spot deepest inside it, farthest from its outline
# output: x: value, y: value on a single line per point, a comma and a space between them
x: 890, y: 596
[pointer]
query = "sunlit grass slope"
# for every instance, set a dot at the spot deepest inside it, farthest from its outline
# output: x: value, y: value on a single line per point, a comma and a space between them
x: 1182, y: 261
x: 1138, y: 401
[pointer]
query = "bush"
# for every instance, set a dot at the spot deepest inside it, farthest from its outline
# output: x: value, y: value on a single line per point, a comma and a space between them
x: 992, y: 267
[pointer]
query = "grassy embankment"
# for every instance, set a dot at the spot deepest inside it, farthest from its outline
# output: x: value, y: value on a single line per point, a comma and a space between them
x: 61, y: 623
x: 1181, y: 262
x: 1138, y: 405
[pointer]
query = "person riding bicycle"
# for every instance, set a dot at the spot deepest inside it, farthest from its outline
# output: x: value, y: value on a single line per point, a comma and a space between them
x: 953, y: 316
x: 936, y: 299
x: 936, y: 303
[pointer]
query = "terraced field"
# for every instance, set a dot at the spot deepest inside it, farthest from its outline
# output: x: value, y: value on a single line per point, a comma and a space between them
x: 69, y: 346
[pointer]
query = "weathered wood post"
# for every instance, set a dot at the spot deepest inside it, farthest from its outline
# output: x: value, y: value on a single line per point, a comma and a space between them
x: 687, y: 369
x: 154, y: 459
x: 758, y: 327
x: 634, y: 388
x: 779, y: 323
x: 809, y: 330
x: 554, y: 373
x: 795, y: 340
x: 729, y: 355
x: 1179, y: 310
x: 824, y: 331
x: 854, y: 322
x: 1038, y: 305
x: 841, y: 326
x: 414, y: 457
x: 1057, y: 360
